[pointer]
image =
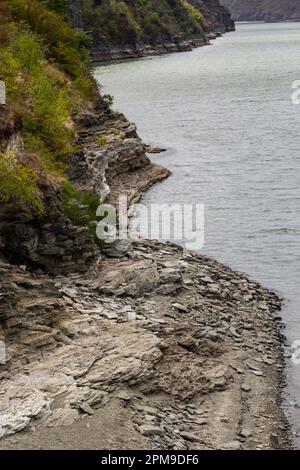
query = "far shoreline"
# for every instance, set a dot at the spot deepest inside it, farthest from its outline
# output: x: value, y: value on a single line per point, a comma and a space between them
x: 266, y: 22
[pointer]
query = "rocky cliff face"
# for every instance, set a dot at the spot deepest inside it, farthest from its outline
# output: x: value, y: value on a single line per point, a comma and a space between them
x: 70, y: 171
x: 264, y: 10
x: 53, y: 243
x: 218, y: 18
x: 134, y: 29
x: 75, y: 13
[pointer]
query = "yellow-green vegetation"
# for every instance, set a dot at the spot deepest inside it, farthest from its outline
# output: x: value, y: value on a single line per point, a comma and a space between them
x: 44, y: 66
x: 147, y: 20
x: 193, y: 12
x: 81, y: 208
x: 64, y: 46
x: 102, y: 140
x: 19, y: 183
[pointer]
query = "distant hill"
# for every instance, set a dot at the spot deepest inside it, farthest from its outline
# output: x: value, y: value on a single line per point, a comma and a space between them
x: 149, y: 21
x: 134, y: 28
x: 264, y: 10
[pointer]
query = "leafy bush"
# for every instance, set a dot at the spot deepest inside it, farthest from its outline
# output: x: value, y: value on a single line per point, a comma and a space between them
x: 59, y: 6
x: 19, y: 183
x: 9, y: 72
x: 45, y: 94
x: 34, y: 145
x: 102, y: 140
x: 81, y: 208
x: 27, y: 52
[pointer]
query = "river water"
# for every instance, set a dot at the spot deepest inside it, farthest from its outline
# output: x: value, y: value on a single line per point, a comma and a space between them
x: 226, y: 116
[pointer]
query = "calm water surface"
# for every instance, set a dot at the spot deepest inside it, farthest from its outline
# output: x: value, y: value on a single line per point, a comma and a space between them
x: 233, y: 136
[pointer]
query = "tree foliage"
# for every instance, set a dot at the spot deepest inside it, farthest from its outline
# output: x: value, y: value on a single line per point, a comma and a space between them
x: 45, y: 69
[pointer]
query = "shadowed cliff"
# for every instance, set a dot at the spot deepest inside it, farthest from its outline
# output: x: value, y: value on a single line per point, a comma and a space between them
x: 264, y: 10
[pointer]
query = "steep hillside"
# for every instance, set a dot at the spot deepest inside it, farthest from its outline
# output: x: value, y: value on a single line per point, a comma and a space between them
x: 133, y: 28
x: 264, y: 10
x: 43, y: 64
x: 52, y: 99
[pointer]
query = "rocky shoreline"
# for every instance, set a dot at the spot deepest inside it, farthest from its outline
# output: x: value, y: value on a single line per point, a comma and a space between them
x: 111, y: 53
x: 183, y: 349
x: 161, y: 349
x: 108, y: 53
x: 267, y: 11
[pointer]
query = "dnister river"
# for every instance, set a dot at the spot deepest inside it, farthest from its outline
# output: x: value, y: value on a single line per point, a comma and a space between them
x: 226, y: 116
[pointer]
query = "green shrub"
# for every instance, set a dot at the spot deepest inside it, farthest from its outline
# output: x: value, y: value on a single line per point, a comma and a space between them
x: 27, y: 51
x: 48, y: 163
x: 86, y: 87
x: 193, y: 12
x: 81, y: 208
x: 43, y: 63
x: 59, y: 6
x: 19, y: 184
x: 9, y: 73
x: 65, y: 46
x: 51, y: 110
x: 102, y: 140
x: 48, y: 102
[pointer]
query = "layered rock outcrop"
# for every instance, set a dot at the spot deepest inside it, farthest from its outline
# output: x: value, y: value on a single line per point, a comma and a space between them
x: 149, y: 28
x: 183, y: 350
x: 53, y: 243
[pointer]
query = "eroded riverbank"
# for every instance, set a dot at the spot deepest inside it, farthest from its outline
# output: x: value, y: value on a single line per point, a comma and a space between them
x: 189, y: 351
x: 185, y: 351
